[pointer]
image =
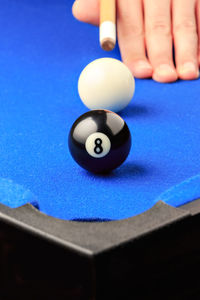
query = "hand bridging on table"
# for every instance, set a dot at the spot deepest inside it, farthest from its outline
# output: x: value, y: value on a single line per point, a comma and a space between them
x: 148, y: 30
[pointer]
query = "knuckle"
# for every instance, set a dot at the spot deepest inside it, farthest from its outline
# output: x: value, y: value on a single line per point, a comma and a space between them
x: 132, y: 30
x: 185, y: 25
x: 136, y: 32
x: 159, y: 26
x: 128, y: 26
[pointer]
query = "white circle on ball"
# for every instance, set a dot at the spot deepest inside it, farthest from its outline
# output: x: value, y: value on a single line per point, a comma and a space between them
x: 98, y: 145
x: 106, y: 83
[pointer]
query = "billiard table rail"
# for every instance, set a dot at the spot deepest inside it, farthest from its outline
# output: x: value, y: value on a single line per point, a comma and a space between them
x: 42, y: 257
x: 91, y: 238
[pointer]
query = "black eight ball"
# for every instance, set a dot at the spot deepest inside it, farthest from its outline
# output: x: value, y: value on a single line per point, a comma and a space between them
x: 99, y: 141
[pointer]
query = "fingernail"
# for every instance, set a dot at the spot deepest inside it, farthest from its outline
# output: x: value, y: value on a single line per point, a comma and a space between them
x: 143, y: 65
x: 165, y: 73
x: 76, y: 2
x: 189, y: 69
x: 165, y: 70
x: 141, y: 69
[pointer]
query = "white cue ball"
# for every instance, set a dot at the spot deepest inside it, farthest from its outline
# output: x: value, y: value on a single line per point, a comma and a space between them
x: 106, y: 83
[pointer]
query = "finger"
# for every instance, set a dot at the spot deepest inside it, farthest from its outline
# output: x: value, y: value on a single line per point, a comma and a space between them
x: 131, y: 37
x: 185, y: 38
x: 198, y: 27
x: 86, y: 11
x: 159, y: 39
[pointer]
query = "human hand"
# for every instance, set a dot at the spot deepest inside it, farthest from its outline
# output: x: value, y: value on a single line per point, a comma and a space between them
x: 148, y: 30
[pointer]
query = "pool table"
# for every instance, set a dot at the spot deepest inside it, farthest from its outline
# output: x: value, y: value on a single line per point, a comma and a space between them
x: 71, y: 234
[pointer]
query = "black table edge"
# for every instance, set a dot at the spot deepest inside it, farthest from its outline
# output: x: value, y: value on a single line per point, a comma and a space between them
x: 91, y: 238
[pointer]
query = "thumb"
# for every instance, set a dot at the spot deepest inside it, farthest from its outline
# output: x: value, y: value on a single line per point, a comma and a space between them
x: 86, y: 11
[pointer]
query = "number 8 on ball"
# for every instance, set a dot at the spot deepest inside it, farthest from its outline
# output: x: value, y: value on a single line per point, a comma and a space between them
x: 99, y: 141
x: 98, y: 145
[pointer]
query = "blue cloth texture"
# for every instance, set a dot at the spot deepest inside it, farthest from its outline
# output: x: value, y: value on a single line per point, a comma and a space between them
x: 43, y: 51
x: 182, y: 193
x: 12, y: 194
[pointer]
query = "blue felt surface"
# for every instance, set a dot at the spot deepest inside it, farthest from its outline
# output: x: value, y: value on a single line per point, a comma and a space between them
x: 43, y: 50
x: 9, y: 190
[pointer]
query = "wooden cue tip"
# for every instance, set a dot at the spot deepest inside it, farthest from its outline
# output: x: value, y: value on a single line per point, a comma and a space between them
x: 108, y: 24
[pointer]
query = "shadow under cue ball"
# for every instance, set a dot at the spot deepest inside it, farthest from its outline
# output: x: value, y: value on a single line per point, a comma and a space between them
x: 106, y: 83
x: 99, y: 141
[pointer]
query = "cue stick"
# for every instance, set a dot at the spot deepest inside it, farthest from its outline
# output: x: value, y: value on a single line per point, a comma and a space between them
x: 107, y: 30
